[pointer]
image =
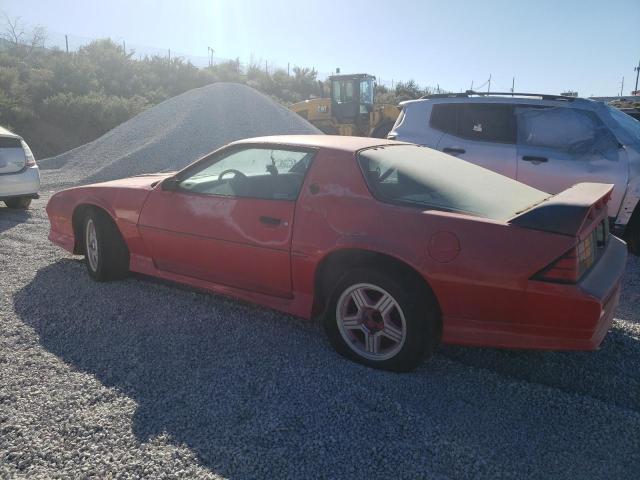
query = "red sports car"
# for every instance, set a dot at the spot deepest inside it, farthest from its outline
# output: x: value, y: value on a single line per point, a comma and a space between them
x: 396, y: 246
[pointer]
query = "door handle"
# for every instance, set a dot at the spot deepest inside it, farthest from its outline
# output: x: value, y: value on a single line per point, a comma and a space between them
x: 535, y: 160
x: 453, y: 150
x: 271, y: 221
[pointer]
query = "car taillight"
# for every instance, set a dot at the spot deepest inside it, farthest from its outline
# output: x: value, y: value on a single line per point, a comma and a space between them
x: 31, y: 160
x: 570, y: 267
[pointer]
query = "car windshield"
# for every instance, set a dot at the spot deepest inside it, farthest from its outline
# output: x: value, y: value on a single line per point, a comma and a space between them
x: 627, y: 122
x: 420, y: 176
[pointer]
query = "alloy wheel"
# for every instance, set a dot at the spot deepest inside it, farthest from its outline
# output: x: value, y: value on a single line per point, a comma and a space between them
x: 91, y: 244
x: 371, y: 321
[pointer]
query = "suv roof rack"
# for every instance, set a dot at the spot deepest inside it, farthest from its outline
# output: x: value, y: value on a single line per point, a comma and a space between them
x: 469, y: 93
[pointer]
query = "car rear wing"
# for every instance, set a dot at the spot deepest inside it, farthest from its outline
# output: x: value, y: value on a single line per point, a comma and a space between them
x: 568, y: 212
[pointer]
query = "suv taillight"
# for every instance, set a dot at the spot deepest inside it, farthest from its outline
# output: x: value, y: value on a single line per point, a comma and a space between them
x: 570, y: 267
x: 31, y: 160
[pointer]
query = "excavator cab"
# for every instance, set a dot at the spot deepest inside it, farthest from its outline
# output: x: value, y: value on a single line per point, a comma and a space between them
x: 351, y: 109
x: 352, y: 97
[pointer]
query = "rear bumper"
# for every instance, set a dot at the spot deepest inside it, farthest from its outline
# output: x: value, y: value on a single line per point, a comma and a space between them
x: 25, y: 183
x: 556, y: 316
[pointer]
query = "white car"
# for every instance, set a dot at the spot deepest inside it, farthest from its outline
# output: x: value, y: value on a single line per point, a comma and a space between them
x: 19, y: 174
x: 548, y: 142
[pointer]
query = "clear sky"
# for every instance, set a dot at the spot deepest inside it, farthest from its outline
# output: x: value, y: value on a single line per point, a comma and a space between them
x: 548, y: 46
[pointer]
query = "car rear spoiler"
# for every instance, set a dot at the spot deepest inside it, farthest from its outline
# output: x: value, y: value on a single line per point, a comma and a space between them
x: 567, y: 212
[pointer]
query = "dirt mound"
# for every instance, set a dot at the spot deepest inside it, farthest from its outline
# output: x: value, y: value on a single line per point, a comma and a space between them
x: 173, y: 134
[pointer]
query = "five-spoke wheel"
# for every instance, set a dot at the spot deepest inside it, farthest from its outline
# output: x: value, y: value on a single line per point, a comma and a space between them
x: 371, y: 321
x: 384, y: 320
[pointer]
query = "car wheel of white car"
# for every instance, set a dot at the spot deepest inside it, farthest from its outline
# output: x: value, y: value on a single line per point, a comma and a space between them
x: 21, y: 203
x: 382, y: 321
x: 106, y: 254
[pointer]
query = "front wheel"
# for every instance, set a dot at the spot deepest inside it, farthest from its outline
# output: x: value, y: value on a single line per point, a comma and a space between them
x: 382, y: 321
x: 21, y: 203
x: 105, y: 252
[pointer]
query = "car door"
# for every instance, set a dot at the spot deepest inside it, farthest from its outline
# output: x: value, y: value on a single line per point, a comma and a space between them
x: 561, y: 146
x: 481, y: 133
x: 228, y: 219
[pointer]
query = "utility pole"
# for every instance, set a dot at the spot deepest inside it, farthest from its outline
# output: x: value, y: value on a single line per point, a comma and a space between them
x: 622, y: 86
x: 124, y: 47
x: 169, y: 55
x: 471, y: 86
x: 266, y: 68
x: 489, y: 86
x: 513, y: 85
x: 288, y: 74
x: 637, y: 70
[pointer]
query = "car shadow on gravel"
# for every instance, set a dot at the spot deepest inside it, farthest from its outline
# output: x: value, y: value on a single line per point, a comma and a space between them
x: 10, y: 217
x: 256, y: 393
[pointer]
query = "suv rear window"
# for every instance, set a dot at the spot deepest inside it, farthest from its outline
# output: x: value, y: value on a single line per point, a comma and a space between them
x: 425, y: 178
x: 484, y: 122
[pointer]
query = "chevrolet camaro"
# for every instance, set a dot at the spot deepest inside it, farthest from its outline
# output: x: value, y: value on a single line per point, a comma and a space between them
x: 395, y: 247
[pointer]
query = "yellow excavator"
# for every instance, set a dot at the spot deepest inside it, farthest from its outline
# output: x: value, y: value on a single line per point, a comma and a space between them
x: 351, y: 110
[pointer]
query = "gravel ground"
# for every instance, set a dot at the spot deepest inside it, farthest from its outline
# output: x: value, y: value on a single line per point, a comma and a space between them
x: 146, y: 379
x: 173, y: 134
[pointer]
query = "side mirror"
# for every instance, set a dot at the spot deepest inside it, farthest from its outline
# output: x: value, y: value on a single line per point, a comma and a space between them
x: 170, y: 184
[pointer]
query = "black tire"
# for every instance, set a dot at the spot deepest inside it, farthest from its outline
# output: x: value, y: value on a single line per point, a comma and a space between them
x: 21, y: 203
x: 112, y: 262
x: 632, y: 232
x: 417, y: 304
x: 382, y: 130
x: 633, y: 241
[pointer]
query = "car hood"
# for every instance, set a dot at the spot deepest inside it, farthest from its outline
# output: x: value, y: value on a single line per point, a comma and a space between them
x: 145, y: 181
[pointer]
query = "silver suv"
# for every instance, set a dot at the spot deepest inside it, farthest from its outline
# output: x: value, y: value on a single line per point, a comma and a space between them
x: 19, y: 174
x: 548, y: 142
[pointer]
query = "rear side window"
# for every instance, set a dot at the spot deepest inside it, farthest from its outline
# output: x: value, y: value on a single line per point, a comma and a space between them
x: 445, y: 118
x: 482, y: 122
x: 488, y: 123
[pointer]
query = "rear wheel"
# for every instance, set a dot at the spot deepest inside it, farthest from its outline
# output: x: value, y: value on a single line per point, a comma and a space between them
x: 21, y: 203
x: 378, y: 320
x: 633, y: 241
x: 105, y: 252
x: 632, y: 232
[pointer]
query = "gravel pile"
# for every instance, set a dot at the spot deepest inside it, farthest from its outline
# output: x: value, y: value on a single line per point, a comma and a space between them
x: 145, y: 379
x: 173, y: 134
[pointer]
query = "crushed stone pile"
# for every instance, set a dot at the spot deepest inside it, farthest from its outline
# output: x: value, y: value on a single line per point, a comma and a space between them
x: 173, y: 134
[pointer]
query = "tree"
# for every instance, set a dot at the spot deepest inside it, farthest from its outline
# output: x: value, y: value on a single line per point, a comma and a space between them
x: 21, y: 41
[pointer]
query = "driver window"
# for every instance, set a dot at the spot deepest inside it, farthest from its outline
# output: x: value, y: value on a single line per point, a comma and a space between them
x: 267, y: 173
